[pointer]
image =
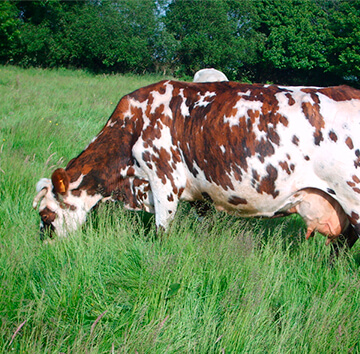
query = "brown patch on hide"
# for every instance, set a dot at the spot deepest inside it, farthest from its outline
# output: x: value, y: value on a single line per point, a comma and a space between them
x: 333, y: 136
x: 237, y: 200
x: 255, y: 175
x: 356, y: 179
x: 312, y: 114
x: 352, y: 184
x: 354, y: 217
x: 76, y: 192
x: 357, y: 160
x: 267, y: 183
x: 284, y: 165
x: 340, y: 93
x: 295, y: 140
x: 291, y: 100
x: 349, y: 143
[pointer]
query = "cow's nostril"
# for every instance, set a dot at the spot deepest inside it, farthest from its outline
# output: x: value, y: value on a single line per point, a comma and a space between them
x: 47, y: 215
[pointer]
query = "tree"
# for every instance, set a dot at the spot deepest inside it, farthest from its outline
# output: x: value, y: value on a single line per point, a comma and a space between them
x: 344, y: 50
x: 110, y: 36
x: 296, y: 43
x: 212, y: 33
x: 99, y: 35
x: 312, y: 42
x: 9, y: 30
x: 42, y: 23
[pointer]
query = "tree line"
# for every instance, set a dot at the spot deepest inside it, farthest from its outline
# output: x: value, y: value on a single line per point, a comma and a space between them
x: 313, y: 42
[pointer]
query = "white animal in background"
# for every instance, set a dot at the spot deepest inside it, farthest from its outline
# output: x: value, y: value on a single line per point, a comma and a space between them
x: 209, y: 75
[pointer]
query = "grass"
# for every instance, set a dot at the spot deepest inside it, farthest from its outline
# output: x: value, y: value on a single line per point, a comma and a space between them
x: 221, y: 285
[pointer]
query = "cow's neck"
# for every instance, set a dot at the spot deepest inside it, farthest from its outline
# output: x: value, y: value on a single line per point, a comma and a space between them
x: 103, y: 167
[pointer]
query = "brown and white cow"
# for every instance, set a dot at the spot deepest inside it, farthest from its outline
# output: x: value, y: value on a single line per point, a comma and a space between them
x: 255, y: 150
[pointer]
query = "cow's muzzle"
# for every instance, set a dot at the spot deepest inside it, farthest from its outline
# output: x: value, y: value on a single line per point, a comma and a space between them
x: 46, y: 227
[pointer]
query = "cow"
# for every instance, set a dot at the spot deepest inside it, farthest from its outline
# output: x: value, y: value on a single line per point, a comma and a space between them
x: 253, y: 150
x: 209, y: 75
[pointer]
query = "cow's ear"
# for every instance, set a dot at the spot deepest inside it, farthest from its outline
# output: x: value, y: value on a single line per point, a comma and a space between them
x: 60, y: 181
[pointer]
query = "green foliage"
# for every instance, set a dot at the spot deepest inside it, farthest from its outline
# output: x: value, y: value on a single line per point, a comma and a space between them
x: 295, y: 38
x: 309, y: 42
x: 220, y: 285
x: 114, y: 37
x: 289, y: 42
x: 344, y: 28
x: 100, y: 36
x: 212, y: 33
x: 9, y: 32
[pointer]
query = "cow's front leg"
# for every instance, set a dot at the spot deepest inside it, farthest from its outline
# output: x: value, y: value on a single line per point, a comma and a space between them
x: 165, y: 203
x: 163, y: 168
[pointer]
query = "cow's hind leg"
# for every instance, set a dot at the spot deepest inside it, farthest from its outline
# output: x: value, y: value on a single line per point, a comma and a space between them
x: 345, y: 241
x: 349, y: 236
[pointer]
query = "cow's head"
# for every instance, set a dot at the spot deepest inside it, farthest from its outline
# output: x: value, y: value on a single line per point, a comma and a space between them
x: 63, y: 205
x: 61, y: 209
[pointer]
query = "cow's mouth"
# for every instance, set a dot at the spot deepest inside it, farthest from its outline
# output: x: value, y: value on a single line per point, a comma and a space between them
x: 46, y: 229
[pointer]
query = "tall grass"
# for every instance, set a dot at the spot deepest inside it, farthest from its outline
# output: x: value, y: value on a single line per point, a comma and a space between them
x: 220, y: 285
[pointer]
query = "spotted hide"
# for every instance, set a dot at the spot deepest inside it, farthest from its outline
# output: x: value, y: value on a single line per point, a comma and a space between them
x: 254, y: 150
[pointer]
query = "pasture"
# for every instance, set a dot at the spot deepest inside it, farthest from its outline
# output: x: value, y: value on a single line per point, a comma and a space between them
x: 220, y: 285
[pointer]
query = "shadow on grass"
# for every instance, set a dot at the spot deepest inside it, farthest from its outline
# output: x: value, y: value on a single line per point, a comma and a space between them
x: 356, y: 257
x: 291, y: 227
x: 289, y: 230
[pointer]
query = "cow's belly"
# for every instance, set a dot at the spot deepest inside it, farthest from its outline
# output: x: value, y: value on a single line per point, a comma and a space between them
x: 248, y: 197
x: 244, y: 201
x: 319, y: 210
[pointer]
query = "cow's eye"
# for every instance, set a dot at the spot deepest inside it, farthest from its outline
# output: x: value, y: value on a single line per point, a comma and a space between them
x: 64, y: 205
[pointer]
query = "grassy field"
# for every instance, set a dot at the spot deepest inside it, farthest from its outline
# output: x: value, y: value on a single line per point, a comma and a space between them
x: 223, y: 285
